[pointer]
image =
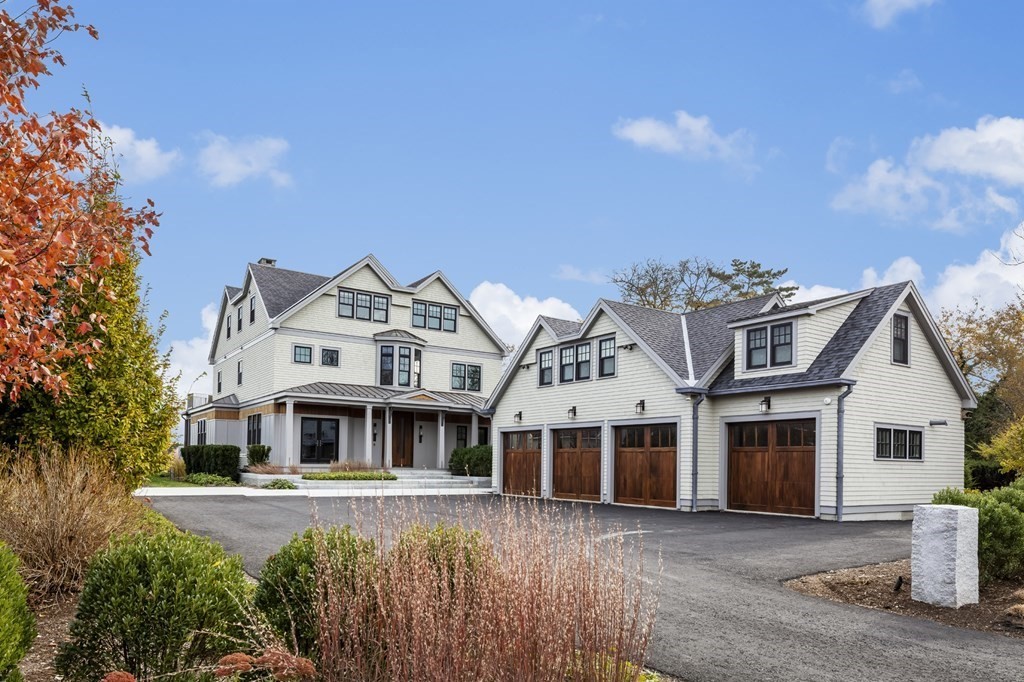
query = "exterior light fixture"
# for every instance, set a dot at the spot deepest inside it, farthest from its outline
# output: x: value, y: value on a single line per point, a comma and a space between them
x: 518, y: 416
x: 421, y: 433
x: 765, y: 404
x: 937, y: 422
x: 641, y: 406
x: 375, y: 432
x: 572, y: 412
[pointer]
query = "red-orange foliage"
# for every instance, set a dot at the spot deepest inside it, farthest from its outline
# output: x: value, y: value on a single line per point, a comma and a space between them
x: 61, y: 222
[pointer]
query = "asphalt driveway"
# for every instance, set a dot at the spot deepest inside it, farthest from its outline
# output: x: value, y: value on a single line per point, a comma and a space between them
x: 724, y: 614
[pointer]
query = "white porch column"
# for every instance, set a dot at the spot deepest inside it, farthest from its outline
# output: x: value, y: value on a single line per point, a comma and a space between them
x: 289, y: 432
x: 474, y: 438
x: 387, y: 438
x: 440, y: 440
x: 368, y: 436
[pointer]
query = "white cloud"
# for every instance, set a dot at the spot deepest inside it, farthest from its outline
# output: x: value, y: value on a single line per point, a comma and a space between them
x: 139, y: 159
x: 991, y: 278
x: 574, y: 274
x: 511, y: 315
x: 944, y: 178
x: 902, y: 269
x: 838, y: 151
x: 228, y: 162
x: 691, y: 137
x: 905, y: 81
x: 813, y: 292
x: 881, y: 13
x: 189, y: 356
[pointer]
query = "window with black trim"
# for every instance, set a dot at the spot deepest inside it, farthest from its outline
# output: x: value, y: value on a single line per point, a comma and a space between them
x: 239, y: 311
x: 302, y: 355
x: 219, y: 383
x: 201, y: 432
x: 566, y: 364
x: 239, y: 372
x: 770, y: 346
x: 433, y: 316
x: 450, y: 320
x: 252, y: 309
x: 330, y: 357
x: 417, y: 362
x: 419, y: 314
x: 901, y: 339
x: 472, y: 377
x: 458, y: 376
x: 606, y: 357
x: 899, y: 443
x: 544, y: 362
x: 346, y: 303
x: 363, y: 304
x: 228, y: 327
x: 404, y: 365
x: 380, y: 308
x: 461, y: 436
x: 583, y: 362
x: 483, y: 435
x: 254, y: 429
x: 387, y: 365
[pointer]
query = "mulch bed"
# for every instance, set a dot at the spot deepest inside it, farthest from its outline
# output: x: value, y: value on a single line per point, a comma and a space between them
x: 874, y: 587
x: 52, y: 620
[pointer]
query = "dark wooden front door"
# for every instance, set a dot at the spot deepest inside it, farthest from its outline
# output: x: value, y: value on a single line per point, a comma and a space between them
x: 402, y: 424
x: 520, y: 466
x: 645, y: 465
x: 319, y: 441
x: 771, y: 467
x: 576, y: 465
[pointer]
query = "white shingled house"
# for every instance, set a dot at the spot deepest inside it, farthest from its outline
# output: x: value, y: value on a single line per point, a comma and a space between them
x: 354, y: 367
x: 849, y: 407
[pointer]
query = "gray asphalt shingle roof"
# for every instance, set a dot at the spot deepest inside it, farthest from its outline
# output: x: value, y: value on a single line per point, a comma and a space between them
x: 282, y: 288
x: 662, y: 331
x: 231, y: 291
x: 709, y: 334
x: 562, y: 328
x: 803, y: 305
x: 838, y: 353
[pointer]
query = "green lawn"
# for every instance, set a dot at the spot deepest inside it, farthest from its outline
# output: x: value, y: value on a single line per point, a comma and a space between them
x: 164, y: 481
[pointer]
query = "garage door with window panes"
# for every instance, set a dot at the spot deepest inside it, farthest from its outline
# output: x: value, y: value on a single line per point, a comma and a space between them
x: 520, y: 466
x: 645, y: 465
x: 772, y: 467
x: 576, y: 465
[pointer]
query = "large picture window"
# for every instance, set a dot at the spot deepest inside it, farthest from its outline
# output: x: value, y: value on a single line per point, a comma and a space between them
x: 544, y: 364
x: 606, y: 358
x: 387, y: 365
x: 566, y: 364
x: 901, y: 339
x: 899, y: 443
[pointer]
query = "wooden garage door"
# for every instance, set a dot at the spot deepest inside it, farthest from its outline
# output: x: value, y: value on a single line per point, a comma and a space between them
x: 576, y: 464
x: 645, y: 465
x: 771, y: 467
x: 520, y: 468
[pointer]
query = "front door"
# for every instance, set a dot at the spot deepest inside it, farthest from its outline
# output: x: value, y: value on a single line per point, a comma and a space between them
x: 319, y: 443
x: 401, y: 439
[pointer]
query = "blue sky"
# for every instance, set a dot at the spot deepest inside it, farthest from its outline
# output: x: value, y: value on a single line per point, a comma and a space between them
x: 529, y: 149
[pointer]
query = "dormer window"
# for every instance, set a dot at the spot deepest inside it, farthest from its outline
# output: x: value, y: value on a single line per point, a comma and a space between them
x: 770, y: 346
x: 901, y: 339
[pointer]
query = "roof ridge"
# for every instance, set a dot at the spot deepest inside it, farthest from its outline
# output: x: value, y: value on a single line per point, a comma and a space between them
x: 297, y: 272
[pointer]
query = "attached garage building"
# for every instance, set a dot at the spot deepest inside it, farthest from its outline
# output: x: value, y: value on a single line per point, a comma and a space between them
x: 849, y: 407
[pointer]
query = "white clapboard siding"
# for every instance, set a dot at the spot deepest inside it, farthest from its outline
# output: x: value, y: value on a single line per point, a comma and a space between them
x: 902, y: 395
x: 258, y: 370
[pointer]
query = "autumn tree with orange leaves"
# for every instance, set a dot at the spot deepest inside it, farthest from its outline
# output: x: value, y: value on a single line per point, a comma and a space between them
x: 61, y: 221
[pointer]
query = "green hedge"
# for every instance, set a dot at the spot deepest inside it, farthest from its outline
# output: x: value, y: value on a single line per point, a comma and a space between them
x: 350, y: 476
x: 287, y: 592
x: 17, y: 626
x: 209, y: 480
x: 1000, y: 528
x: 212, y: 459
x: 257, y: 454
x: 474, y: 461
x: 156, y: 606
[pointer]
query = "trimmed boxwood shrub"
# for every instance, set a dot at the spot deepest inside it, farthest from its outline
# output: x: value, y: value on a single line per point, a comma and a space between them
x: 17, y: 626
x: 475, y: 460
x: 287, y: 592
x: 257, y: 454
x: 156, y: 605
x: 350, y: 476
x: 209, y: 480
x: 212, y: 459
x: 1000, y: 529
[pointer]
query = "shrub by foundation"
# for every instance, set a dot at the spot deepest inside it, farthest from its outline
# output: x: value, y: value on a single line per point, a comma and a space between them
x: 280, y: 484
x: 57, y: 509
x: 156, y: 605
x: 221, y: 460
x: 17, y: 626
x: 1000, y: 528
x: 350, y: 476
x: 287, y: 593
x: 257, y: 454
x: 474, y: 461
x: 209, y: 480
